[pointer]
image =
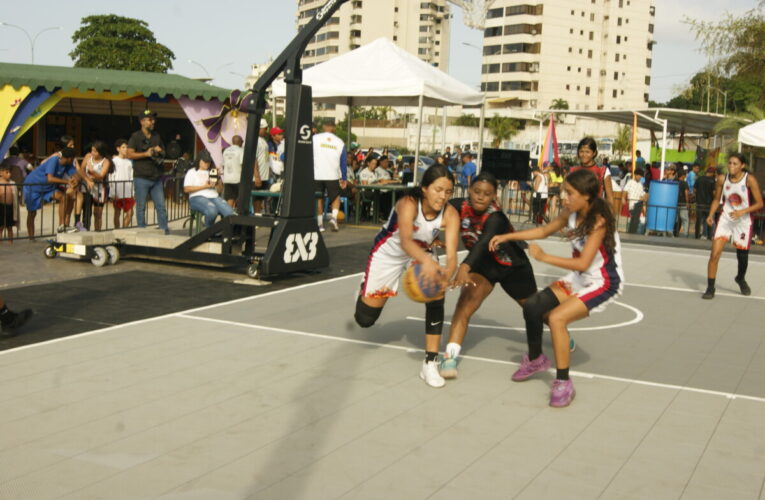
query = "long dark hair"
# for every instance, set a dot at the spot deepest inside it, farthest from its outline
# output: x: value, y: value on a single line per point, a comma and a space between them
x: 100, y: 146
x: 431, y: 175
x: 588, y: 184
x: 590, y: 143
x: 739, y: 157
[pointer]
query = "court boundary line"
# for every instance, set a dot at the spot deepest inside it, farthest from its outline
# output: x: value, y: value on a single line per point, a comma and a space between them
x: 588, y: 375
x: 298, y: 287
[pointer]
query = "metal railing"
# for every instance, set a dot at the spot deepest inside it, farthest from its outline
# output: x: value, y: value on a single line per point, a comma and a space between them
x: 46, y: 221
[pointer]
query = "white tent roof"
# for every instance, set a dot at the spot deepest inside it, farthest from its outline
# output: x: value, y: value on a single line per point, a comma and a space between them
x: 383, y: 74
x: 753, y: 135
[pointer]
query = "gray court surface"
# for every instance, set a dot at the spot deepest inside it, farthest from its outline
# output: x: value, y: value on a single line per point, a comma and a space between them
x: 281, y: 396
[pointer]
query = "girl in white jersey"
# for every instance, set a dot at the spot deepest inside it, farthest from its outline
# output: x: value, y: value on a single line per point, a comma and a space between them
x: 413, y: 225
x: 735, y: 223
x: 596, y: 278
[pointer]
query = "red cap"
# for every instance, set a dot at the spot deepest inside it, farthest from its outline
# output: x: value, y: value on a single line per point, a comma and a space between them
x: 276, y: 131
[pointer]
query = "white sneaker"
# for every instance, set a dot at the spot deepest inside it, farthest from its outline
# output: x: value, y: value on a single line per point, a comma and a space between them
x: 429, y: 373
x: 321, y: 229
x: 333, y: 224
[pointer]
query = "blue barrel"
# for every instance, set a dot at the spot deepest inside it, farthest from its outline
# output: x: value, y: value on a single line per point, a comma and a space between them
x: 662, y: 206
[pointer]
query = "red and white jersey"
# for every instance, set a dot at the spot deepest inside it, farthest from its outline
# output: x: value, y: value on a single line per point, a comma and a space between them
x: 735, y: 197
x: 606, y: 268
x: 387, y: 260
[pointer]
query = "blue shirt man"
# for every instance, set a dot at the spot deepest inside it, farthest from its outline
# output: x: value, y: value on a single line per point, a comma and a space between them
x: 41, y: 184
x: 468, y: 170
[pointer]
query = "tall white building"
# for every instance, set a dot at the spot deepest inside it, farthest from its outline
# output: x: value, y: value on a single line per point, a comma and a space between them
x: 419, y: 27
x: 594, y: 54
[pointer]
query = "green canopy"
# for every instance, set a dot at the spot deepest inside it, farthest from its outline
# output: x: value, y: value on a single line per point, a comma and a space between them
x: 107, y: 80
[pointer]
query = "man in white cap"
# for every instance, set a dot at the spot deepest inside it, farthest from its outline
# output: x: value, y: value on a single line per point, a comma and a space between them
x: 262, y: 171
x: 330, y: 166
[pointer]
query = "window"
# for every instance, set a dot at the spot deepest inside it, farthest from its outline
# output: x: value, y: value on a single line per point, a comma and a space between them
x: 592, y: 16
x: 570, y: 50
x: 355, y: 33
x: 617, y: 57
x: 357, y: 4
x: 517, y: 29
x: 614, y: 94
x: 355, y: 19
x: 494, y: 13
x: 517, y: 86
x: 650, y: 28
x: 619, y: 21
x: 648, y: 80
x: 571, y: 31
x: 493, y: 31
x: 616, y: 75
x: 492, y: 50
x: 517, y: 10
x: 587, y: 91
x: 490, y: 87
x: 589, y: 54
x: 568, y: 68
x: 579, y: 70
x: 648, y: 62
x: 528, y: 48
x: 592, y: 35
x: 568, y: 87
x: 618, y: 39
x: 514, y: 67
x: 490, y: 68
x: 589, y: 72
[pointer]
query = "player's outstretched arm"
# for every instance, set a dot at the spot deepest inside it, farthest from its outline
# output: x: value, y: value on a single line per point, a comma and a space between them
x: 580, y: 263
x: 537, y: 233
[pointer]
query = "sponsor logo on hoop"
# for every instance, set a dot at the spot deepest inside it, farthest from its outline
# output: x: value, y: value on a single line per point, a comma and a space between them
x: 325, y: 9
x: 305, y: 135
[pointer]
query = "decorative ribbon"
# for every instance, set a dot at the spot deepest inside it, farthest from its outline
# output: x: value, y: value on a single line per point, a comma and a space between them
x: 234, y: 104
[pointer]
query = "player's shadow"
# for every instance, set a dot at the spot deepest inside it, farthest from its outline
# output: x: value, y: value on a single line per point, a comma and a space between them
x: 695, y: 281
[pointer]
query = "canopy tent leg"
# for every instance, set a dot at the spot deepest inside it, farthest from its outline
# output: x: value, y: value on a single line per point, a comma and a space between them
x: 350, y: 124
x: 419, y: 136
x: 481, y: 124
x: 663, y: 146
x: 443, y: 129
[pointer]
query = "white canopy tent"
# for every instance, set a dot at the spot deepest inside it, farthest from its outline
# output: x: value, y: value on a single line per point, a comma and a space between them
x: 382, y: 74
x: 753, y: 135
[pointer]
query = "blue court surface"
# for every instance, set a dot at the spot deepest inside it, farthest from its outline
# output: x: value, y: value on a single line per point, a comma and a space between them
x: 281, y: 396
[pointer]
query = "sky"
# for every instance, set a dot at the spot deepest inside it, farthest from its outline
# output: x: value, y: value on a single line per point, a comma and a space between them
x: 225, y: 47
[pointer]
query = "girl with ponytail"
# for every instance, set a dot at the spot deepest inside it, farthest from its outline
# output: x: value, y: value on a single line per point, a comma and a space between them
x: 595, y: 279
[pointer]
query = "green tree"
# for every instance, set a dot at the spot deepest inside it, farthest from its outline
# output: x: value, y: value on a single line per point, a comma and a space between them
x: 467, y: 121
x: 731, y: 123
x: 341, y: 130
x: 116, y: 42
x: 736, y: 45
x: 623, y: 140
x: 558, y: 104
x: 502, y: 128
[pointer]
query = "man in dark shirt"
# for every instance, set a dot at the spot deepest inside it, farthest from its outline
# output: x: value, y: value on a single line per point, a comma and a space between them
x: 704, y: 189
x: 146, y: 149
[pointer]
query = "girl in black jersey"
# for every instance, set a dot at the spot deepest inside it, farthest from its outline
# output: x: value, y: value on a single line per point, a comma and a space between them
x: 481, y: 218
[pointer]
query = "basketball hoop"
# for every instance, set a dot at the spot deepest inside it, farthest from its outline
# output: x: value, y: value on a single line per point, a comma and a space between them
x: 474, y: 11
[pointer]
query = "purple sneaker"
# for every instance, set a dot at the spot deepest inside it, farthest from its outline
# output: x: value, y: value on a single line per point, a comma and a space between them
x: 80, y: 227
x: 562, y: 393
x: 529, y: 368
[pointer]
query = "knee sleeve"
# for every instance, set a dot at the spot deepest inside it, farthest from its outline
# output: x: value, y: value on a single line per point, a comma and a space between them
x: 534, y: 310
x: 742, y: 256
x: 366, y: 315
x: 434, y: 317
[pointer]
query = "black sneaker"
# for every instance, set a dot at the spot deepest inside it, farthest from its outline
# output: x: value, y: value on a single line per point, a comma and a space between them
x: 709, y: 294
x: 744, y: 286
x: 17, y: 321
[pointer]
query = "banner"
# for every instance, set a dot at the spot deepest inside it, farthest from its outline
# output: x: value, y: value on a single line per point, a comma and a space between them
x: 549, y: 152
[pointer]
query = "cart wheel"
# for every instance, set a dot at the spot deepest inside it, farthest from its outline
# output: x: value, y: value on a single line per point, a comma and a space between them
x: 50, y: 252
x: 100, y: 257
x: 114, y: 254
x: 253, y: 270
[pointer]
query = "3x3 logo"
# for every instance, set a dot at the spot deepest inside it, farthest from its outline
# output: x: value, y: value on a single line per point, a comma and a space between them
x: 300, y: 247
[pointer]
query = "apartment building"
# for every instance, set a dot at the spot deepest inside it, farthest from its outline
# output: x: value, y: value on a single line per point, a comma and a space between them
x: 594, y: 54
x: 419, y: 27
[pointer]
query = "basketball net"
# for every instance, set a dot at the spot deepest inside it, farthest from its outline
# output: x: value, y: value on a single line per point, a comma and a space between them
x: 474, y: 12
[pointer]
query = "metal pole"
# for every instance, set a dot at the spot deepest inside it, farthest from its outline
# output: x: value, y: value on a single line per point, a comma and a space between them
x: 443, y: 130
x: 481, y: 123
x: 663, y: 146
x: 419, y: 134
x: 350, y: 124
x: 539, y: 142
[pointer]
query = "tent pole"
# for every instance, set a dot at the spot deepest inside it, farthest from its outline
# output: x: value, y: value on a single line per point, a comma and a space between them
x: 350, y: 124
x: 443, y: 129
x: 419, y: 135
x: 663, y: 146
x: 539, y: 142
x: 481, y: 124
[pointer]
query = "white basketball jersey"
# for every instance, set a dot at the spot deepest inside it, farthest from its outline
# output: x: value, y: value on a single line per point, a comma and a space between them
x: 735, y: 196
x: 327, y: 153
x: 388, y: 240
x: 607, y: 265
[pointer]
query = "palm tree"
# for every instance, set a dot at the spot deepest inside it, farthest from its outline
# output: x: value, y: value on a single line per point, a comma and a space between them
x: 502, y: 128
x: 558, y: 103
x: 731, y: 123
x: 623, y: 140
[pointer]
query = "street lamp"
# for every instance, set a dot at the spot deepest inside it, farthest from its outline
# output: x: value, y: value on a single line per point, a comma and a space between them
x: 192, y: 61
x: 32, y: 39
x: 472, y: 45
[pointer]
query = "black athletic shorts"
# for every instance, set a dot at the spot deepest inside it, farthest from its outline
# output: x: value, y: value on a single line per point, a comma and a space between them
x: 231, y: 191
x: 332, y: 188
x: 517, y: 282
x: 6, y: 215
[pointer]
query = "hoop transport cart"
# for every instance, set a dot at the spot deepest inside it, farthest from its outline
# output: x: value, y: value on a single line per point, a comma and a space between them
x: 295, y: 243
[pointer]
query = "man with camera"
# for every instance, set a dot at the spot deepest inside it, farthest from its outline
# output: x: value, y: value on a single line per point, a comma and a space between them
x: 147, y: 151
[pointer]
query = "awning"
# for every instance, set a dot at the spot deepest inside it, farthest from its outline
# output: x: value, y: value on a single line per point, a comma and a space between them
x: 52, y: 78
x: 678, y: 120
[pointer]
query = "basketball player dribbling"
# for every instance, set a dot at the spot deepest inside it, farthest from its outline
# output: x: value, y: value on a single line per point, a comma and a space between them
x: 413, y: 225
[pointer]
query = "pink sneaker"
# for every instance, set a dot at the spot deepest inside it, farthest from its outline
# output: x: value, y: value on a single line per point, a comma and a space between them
x: 562, y: 393
x: 529, y: 368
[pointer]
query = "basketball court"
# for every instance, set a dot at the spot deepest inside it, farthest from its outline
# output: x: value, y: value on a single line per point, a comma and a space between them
x: 280, y: 395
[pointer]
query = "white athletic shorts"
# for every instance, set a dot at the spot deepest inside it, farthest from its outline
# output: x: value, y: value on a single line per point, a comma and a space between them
x: 595, y: 293
x: 738, y: 231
